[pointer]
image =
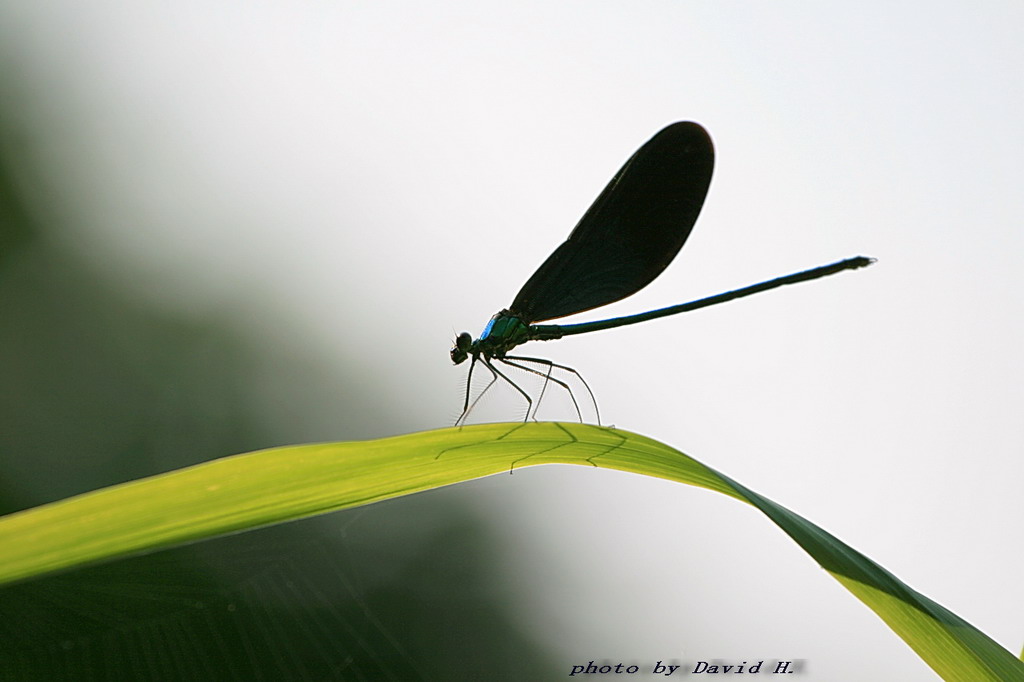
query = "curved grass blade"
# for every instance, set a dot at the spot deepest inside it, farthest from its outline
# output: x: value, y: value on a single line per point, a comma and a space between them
x: 282, y: 484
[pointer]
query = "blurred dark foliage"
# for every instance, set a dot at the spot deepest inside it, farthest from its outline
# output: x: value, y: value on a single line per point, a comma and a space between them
x: 99, y: 386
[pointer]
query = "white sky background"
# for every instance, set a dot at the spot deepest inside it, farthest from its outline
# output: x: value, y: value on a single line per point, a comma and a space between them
x: 384, y: 175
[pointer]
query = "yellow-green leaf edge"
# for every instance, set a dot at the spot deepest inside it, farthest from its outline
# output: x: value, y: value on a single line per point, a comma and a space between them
x: 287, y: 483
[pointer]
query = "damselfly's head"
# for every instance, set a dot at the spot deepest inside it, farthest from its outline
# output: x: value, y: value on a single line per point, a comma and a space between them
x: 460, y: 351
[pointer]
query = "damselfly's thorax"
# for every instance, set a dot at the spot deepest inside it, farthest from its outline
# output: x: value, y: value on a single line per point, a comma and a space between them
x: 503, y: 332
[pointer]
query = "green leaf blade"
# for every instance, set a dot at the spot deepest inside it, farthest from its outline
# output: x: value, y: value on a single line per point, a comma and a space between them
x: 283, y: 484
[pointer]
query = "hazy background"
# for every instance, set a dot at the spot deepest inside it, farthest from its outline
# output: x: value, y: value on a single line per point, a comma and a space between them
x: 230, y: 226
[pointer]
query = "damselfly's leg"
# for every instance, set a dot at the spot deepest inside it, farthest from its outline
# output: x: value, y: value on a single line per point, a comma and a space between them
x: 529, y: 400
x: 466, y: 406
x: 547, y: 377
x: 550, y: 365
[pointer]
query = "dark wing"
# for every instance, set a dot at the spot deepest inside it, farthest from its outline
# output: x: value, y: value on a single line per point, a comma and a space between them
x: 631, y: 232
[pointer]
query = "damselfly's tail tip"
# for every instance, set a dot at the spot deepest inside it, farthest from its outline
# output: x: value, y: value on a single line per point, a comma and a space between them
x: 860, y: 262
